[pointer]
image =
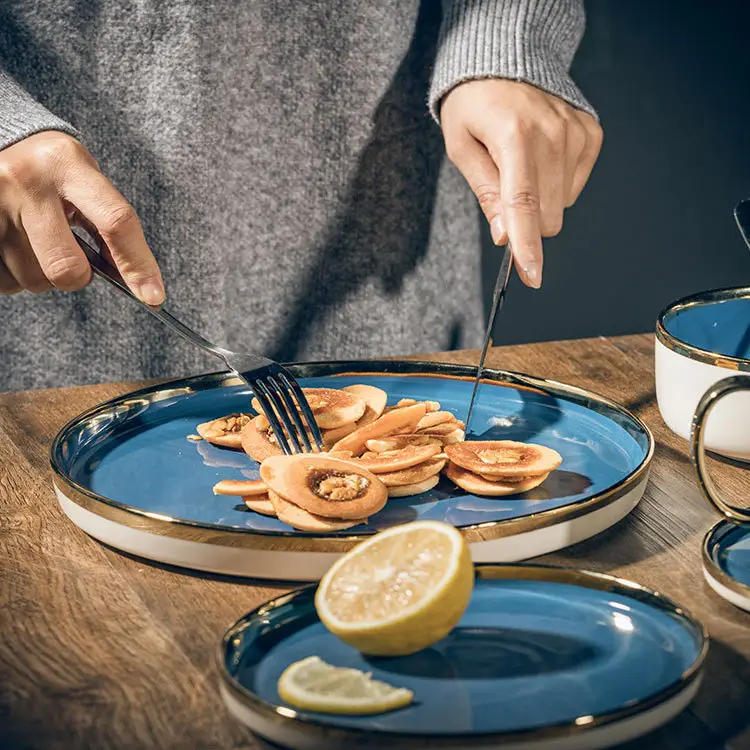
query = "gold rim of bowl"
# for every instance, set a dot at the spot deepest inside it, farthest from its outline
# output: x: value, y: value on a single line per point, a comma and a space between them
x: 284, y: 716
x: 713, y: 568
x: 694, y: 352
x: 206, y: 533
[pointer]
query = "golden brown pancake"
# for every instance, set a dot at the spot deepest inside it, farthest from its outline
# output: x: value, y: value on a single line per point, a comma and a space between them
x: 259, y: 444
x: 331, y: 437
x: 300, y: 519
x: 401, y: 458
x: 241, y: 487
x: 395, y: 442
x: 374, y: 398
x: 414, y: 474
x: 434, y: 418
x: 260, y: 504
x: 407, y: 490
x: 477, y: 485
x: 399, y: 420
x: 331, y: 407
x: 504, y: 458
x: 325, y: 486
x: 224, y: 431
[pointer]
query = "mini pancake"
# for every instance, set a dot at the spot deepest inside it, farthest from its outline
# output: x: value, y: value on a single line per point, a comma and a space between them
x: 331, y: 407
x: 325, y: 486
x: 511, y: 480
x: 241, y: 487
x: 260, y: 504
x: 340, y: 454
x: 224, y: 431
x: 476, y: 485
x: 374, y: 398
x: 396, y: 421
x: 394, y: 442
x: 407, y: 490
x: 445, y: 428
x: 257, y: 443
x: 402, y: 458
x: 433, y: 418
x: 504, y: 458
x: 331, y: 437
x: 300, y: 519
x: 414, y: 474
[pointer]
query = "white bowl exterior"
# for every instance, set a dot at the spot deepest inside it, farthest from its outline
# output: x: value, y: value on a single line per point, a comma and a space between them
x: 309, y: 566
x: 608, y: 735
x: 681, y: 382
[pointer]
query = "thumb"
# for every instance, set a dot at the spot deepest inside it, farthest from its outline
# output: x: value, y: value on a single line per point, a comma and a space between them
x: 480, y: 171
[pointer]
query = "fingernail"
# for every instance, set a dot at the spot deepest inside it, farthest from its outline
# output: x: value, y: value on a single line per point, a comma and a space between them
x: 533, y: 273
x: 497, y: 231
x: 151, y: 293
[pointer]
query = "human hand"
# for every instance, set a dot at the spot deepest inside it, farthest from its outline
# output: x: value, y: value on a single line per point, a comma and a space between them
x: 526, y: 155
x: 44, y: 179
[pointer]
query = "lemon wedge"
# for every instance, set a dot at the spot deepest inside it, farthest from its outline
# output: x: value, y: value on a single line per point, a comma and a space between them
x: 399, y: 591
x: 313, y: 685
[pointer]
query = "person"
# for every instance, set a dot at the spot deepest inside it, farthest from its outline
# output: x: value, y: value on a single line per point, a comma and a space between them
x: 282, y: 163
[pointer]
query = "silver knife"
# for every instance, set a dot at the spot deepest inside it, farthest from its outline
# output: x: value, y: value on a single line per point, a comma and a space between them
x: 503, y: 276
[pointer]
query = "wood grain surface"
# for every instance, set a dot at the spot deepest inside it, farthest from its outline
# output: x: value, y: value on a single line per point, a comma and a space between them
x: 102, y: 650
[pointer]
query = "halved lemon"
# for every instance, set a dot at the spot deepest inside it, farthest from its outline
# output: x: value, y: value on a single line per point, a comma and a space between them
x: 399, y: 591
x: 313, y: 685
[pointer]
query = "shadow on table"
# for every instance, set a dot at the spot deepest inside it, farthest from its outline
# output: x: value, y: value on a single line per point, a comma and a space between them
x: 625, y: 543
x: 237, y: 580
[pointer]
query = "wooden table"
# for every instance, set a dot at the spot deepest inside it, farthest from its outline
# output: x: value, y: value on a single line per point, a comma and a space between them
x: 102, y: 650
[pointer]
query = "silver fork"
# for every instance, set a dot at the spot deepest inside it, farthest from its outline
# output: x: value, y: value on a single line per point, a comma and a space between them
x: 273, y: 385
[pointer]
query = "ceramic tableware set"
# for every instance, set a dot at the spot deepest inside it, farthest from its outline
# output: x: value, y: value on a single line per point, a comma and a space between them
x: 544, y: 658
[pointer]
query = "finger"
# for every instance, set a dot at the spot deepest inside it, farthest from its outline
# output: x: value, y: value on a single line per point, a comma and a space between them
x: 589, y: 154
x: 480, y: 171
x: 58, y: 254
x: 116, y: 222
x: 575, y: 143
x: 8, y: 283
x: 19, y: 259
x: 521, y: 211
x: 550, y: 167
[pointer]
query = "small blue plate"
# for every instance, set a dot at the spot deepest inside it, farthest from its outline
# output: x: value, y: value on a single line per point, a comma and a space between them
x: 540, y: 654
x: 726, y: 561
x: 129, y: 461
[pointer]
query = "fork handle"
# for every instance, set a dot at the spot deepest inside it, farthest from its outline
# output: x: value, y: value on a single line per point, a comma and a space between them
x: 105, y: 270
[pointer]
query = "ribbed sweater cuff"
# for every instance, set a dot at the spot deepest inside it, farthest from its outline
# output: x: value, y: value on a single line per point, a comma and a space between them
x: 524, y: 40
x: 22, y: 116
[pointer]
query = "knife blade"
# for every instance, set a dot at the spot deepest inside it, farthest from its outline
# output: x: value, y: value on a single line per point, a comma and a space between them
x: 503, y: 276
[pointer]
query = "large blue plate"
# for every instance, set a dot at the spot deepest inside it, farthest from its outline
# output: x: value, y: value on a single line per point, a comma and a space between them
x: 133, y: 453
x: 538, y: 650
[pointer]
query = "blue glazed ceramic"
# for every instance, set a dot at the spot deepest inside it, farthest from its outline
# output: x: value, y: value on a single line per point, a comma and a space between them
x: 728, y: 547
x: 134, y: 453
x: 710, y: 326
x: 537, y: 649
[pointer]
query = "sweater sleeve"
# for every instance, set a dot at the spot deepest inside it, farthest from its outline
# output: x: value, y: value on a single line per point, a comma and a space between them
x: 21, y: 115
x: 533, y: 41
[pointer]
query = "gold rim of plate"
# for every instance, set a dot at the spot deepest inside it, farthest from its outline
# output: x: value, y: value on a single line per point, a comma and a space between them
x: 738, y: 364
x: 713, y: 569
x: 293, y: 541
x: 284, y: 716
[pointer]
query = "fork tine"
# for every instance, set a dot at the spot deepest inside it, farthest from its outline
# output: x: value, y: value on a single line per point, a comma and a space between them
x: 292, y: 410
x: 261, y: 393
x: 304, y: 407
x: 281, y: 412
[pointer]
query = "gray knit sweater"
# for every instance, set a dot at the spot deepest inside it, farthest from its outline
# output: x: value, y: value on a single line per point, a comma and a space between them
x: 283, y: 162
